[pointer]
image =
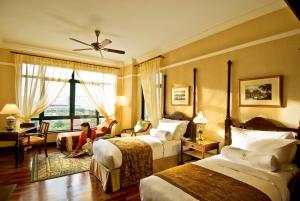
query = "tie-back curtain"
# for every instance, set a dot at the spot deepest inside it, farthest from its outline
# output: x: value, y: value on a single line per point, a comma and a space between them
x: 38, y: 82
x: 151, y: 80
x: 100, y: 86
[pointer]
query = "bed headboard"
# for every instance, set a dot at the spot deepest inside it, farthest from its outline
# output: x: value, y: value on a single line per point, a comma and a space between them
x: 256, y: 123
x: 190, y: 131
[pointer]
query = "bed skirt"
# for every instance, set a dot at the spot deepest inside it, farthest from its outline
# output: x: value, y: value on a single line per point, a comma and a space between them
x: 110, y: 179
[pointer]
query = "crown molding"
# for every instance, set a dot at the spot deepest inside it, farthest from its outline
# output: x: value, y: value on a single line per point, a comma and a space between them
x: 60, y: 54
x: 234, y: 48
x: 213, y: 30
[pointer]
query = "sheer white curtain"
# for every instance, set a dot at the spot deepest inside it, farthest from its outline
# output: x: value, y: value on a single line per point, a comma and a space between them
x: 100, y: 84
x: 38, y: 82
x: 151, y: 80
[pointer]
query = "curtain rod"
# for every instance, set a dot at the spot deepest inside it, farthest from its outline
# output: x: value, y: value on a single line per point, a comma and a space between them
x: 159, y: 56
x: 62, y: 59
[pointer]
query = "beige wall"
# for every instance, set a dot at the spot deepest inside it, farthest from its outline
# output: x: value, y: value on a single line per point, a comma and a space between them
x: 278, y: 57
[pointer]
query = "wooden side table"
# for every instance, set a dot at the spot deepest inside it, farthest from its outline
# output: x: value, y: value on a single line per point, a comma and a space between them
x: 197, y: 148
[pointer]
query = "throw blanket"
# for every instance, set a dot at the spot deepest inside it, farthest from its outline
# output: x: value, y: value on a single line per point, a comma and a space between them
x: 136, y: 159
x: 207, y: 185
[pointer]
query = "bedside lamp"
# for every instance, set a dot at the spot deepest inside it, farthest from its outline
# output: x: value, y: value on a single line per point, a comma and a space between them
x: 10, y: 109
x: 201, y: 120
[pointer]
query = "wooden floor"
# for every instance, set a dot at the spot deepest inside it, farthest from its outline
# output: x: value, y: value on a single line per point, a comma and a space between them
x: 81, y: 186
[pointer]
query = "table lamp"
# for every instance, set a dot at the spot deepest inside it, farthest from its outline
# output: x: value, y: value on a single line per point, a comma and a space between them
x: 201, y: 120
x: 11, y: 110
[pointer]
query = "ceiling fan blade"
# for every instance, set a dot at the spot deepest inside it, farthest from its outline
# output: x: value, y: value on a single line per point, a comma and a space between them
x: 79, y: 41
x: 114, y: 51
x: 83, y: 49
x: 104, y: 43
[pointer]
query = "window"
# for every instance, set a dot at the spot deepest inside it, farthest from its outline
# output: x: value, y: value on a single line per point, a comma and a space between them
x: 83, y: 106
x: 72, y: 106
x: 61, y: 105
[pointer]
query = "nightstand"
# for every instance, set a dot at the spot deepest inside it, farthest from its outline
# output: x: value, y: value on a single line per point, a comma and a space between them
x: 196, y: 148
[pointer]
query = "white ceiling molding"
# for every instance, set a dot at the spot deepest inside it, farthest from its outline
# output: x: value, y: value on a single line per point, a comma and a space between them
x: 234, y: 48
x: 60, y: 54
x: 213, y: 30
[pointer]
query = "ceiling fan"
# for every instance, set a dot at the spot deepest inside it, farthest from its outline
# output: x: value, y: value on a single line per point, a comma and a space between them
x: 98, y: 46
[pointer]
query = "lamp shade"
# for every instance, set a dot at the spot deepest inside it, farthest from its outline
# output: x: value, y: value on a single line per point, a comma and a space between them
x: 200, y: 119
x: 10, y: 109
x: 121, y: 101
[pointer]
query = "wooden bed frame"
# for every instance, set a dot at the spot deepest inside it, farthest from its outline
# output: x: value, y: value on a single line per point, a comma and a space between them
x: 256, y: 123
x: 191, y: 129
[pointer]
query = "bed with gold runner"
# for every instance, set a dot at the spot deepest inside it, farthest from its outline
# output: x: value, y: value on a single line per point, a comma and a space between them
x: 140, y: 157
x: 215, y: 178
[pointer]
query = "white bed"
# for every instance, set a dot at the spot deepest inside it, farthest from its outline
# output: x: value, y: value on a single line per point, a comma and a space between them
x: 110, y: 156
x: 274, y: 184
x: 165, y: 144
x: 265, y: 159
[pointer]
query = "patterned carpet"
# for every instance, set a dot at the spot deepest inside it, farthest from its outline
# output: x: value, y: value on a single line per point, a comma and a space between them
x: 57, y: 165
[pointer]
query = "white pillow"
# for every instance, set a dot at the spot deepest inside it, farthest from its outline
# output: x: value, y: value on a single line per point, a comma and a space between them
x: 160, y: 134
x: 168, y: 126
x: 242, y: 137
x: 258, y: 134
x: 239, y: 138
x: 181, y: 129
x: 250, y: 158
x: 283, y: 149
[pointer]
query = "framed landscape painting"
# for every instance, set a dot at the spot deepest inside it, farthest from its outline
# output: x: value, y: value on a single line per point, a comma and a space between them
x: 180, y: 96
x: 261, y: 92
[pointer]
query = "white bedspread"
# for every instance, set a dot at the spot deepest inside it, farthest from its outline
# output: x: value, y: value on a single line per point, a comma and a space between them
x: 110, y: 156
x: 273, y: 184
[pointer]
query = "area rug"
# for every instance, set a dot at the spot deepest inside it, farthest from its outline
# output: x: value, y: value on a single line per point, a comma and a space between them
x: 57, y: 165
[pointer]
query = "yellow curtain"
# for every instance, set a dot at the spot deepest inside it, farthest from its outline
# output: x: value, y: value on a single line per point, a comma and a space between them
x: 151, y: 80
x: 38, y: 82
x: 100, y: 84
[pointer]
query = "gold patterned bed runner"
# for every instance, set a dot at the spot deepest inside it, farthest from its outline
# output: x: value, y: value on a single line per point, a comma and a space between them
x: 137, y: 159
x: 207, y: 185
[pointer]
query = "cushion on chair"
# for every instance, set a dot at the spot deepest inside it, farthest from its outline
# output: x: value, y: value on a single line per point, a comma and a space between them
x: 34, y: 140
x: 141, y: 126
x: 102, y: 129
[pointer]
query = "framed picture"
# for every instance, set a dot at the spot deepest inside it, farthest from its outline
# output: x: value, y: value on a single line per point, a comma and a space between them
x: 180, y: 96
x: 261, y: 92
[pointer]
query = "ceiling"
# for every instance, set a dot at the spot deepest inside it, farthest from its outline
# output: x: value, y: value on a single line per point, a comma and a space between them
x: 142, y: 28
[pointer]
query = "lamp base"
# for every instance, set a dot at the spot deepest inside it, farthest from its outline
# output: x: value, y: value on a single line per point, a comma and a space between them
x: 10, y: 121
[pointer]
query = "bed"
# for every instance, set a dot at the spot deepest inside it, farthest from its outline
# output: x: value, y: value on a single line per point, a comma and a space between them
x: 237, y: 173
x: 107, y: 161
x: 274, y: 184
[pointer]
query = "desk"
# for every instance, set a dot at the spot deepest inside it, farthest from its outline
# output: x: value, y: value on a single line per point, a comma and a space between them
x: 14, y: 135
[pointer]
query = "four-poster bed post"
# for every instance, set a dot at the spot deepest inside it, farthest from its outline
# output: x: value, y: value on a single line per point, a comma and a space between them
x: 228, y: 119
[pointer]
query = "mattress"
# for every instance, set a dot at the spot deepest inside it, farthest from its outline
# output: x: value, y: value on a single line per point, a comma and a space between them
x: 110, y: 156
x: 273, y: 184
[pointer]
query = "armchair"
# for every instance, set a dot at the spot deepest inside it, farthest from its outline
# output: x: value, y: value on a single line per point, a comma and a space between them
x: 141, y: 128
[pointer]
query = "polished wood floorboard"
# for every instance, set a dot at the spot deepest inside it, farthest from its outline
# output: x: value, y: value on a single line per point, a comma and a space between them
x: 81, y: 186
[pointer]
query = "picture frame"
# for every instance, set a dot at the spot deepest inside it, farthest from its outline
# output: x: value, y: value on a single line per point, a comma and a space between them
x: 261, y: 92
x: 180, y: 95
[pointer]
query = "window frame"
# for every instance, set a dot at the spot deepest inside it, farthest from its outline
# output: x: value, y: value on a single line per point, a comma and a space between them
x: 71, y: 115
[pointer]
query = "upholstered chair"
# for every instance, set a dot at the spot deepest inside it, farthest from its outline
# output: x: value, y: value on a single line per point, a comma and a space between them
x: 141, y: 128
x: 36, y: 139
